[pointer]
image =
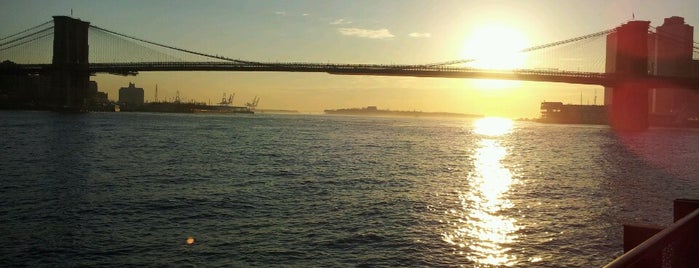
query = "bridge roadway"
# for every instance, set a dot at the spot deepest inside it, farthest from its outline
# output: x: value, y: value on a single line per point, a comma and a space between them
x: 585, y: 78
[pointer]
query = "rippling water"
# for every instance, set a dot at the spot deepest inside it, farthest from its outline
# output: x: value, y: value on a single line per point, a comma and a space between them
x: 129, y: 189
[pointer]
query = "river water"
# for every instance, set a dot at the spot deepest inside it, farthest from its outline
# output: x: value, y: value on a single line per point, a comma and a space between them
x: 190, y: 190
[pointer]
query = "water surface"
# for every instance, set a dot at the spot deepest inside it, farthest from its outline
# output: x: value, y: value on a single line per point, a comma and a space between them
x: 129, y: 189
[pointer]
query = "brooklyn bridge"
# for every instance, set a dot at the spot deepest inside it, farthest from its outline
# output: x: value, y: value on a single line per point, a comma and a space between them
x: 80, y: 49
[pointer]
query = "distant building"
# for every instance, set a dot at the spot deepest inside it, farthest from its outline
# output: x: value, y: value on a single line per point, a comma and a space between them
x: 130, y: 97
x: 670, y: 51
x: 671, y: 55
x: 92, y: 88
x: 99, y: 102
x: 557, y: 112
x: 22, y: 91
x: 672, y: 48
x: 35, y: 92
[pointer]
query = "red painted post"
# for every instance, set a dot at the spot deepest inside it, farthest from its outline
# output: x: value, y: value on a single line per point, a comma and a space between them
x: 688, y: 248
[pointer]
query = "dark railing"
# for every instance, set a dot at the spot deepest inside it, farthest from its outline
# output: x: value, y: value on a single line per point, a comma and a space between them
x: 675, y: 246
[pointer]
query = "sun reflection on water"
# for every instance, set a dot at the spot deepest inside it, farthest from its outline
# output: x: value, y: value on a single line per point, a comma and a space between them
x: 492, y: 126
x: 481, y: 225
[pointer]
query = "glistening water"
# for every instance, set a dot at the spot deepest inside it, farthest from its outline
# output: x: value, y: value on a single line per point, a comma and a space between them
x: 138, y: 189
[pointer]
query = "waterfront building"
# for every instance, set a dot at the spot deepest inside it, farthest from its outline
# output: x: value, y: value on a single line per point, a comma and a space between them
x: 559, y: 113
x: 99, y: 102
x: 22, y: 91
x: 130, y: 97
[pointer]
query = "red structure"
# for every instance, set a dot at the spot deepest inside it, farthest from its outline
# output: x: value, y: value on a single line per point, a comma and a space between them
x: 670, y: 50
x: 672, y: 246
x: 627, y: 58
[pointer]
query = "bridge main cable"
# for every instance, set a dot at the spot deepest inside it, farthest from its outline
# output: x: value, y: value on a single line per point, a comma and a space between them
x: 567, y: 41
x: 25, y: 37
x: 174, y: 48
x: 26, y: 41
x: 26, y: 30
x: 530, y: 49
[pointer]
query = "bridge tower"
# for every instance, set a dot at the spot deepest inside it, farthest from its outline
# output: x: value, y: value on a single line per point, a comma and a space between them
x: 70, y: 77
x: 627, y: 58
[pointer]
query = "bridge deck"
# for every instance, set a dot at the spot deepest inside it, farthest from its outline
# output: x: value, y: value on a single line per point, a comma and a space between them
x: 586, y: 78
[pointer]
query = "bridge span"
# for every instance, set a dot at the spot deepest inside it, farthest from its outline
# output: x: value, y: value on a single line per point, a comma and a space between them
x: 427, y: 71
x: 585, y: 78
x: 627, y: 67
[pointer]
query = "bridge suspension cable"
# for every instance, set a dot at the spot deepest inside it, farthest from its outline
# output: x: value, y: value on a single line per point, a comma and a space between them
x: 25, y: 36
x: 568, y: 41
x: 109, y: 48
x: 28, y: 46
x: 173, y: 48
x: 531, y: 49
x: 30, y: 37
x: 446, y: 63
x: 26, y: 30
x: 26, y: 41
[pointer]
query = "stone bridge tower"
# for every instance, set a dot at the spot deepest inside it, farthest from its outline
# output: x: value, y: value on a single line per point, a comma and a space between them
x: 69, y: 75
x: 627, y: 59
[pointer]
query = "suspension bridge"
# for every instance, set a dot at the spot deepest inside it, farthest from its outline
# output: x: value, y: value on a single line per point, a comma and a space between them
x: 70, y: 50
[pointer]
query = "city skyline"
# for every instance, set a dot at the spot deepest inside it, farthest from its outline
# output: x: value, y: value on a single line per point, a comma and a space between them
x: 385, y: 32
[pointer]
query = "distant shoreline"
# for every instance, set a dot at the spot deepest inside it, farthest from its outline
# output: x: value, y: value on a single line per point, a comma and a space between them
x: 373, y: 111
x: 276, y: 111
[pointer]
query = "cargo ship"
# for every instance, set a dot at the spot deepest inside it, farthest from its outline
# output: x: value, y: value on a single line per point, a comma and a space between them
x: 559, y: 113
x: 187, y: 107
x: 375, y: 111
x: 195, y: 107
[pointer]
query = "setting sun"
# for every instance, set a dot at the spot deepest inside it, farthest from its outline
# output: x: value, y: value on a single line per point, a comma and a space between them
x: 495, y: 46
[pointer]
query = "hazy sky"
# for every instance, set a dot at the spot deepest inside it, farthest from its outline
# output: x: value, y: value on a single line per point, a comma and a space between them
x: 398, y: 31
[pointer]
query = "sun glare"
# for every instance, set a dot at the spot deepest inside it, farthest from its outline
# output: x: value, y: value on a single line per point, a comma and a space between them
x: 493, y: 126
x: 495, y: 46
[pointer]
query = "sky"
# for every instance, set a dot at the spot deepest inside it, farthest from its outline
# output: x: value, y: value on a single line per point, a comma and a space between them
x: 358, y: 31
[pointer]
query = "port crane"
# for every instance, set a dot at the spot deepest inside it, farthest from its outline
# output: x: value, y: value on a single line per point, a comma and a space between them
x: 228, y: 101
x: 253, y: 104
